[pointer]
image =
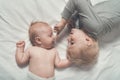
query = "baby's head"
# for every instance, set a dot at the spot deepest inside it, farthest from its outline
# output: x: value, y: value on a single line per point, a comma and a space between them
x: 82, y: 49
x: 40, y: 34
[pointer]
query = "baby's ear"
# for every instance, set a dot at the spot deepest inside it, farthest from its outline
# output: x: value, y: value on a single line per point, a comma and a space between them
x: 38, y: 40
x: 89, y: 41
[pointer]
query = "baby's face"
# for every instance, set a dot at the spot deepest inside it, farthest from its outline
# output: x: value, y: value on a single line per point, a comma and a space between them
x: 47, y: 38
x: 76, y: 42
x: 81, y: 46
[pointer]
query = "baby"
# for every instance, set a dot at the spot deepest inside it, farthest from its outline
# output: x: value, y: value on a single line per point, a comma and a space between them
x: 82, y: 43
x: 82, y: 48
x: 42, y: 56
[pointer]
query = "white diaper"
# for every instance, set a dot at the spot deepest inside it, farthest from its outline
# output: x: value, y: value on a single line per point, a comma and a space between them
x: 32, y: 76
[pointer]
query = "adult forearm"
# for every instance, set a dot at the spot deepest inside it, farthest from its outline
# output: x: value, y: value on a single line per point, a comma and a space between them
x: 68, y: 10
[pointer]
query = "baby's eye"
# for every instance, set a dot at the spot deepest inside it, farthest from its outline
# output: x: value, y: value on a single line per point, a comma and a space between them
x: 71, y: 32
x: 71, y: 42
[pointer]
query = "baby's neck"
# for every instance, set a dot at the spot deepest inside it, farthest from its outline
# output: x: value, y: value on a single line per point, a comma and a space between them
x: 45, y: 47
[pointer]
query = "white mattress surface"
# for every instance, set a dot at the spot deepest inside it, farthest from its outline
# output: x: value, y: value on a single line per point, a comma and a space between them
x: 15, y: 18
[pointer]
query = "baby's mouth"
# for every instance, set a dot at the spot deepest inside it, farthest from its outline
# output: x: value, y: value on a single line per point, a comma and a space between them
x: 53, y: 43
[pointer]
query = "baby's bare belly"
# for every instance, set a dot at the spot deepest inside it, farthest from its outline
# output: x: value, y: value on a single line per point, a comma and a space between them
x: 45, y: 71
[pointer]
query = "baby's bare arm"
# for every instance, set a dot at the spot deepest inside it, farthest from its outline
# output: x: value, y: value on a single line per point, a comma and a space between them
x: 61, y: 63
x: 21, y: 56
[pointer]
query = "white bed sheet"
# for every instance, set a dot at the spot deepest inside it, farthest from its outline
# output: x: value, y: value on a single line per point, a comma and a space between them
x: 15, y: 18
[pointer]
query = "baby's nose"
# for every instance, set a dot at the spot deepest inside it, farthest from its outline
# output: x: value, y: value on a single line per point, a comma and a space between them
x: 54, y: 38
x: 68, y: 38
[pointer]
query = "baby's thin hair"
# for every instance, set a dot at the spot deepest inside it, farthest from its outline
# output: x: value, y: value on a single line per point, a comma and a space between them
x: 32, y: 23
x: 34, y: 34
x: 88, y: 55
x: 85, y: 60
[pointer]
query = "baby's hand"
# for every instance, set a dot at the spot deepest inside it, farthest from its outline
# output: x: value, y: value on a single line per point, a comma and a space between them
x: 20, y: 44
x: 58, y: 28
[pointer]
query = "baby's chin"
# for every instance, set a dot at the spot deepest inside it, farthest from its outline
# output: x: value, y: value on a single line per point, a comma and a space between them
x: 50, y: 47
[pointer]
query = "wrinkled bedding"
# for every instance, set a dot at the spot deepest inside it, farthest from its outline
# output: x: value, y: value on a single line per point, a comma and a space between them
x: 15, y: 18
